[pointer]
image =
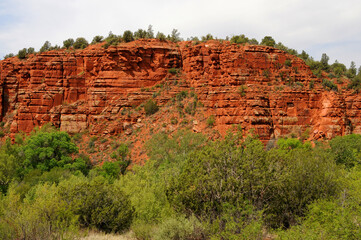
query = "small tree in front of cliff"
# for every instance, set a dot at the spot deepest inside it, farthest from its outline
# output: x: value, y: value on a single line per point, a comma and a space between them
x: 128, y: 36
x: 80, y: 43
x: 68, y: 43
x: 150, y: 107
x: 268, y: 41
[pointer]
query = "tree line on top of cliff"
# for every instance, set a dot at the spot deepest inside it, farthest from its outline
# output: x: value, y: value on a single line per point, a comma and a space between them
x: 336, y: 70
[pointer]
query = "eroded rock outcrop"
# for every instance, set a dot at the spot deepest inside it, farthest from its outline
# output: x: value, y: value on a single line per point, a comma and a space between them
x: 255, y: 87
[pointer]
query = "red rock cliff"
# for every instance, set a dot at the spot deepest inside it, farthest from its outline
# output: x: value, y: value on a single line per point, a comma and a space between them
x: 256, y: 87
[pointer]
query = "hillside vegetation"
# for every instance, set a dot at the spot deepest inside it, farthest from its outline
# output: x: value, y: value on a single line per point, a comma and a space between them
x: 191, y: 188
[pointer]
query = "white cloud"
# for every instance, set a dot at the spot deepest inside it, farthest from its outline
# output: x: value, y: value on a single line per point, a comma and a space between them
x: 315, y: 26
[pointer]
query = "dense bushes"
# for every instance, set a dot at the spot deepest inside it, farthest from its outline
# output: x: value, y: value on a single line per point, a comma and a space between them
x: 97, y: 203
x: 190, y: 188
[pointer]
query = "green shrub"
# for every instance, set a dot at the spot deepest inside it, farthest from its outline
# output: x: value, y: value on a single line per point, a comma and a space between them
x: 207, y: 37
x: 239, y: 39
x: 43, y: 214
x: 150, y: 107
x: 31, y: 50
x: 180, y: 228
x: 173, y: 70
x: 68, y: 43
x: 346, y: 150
x: 288, y: 63
x: 312, y: 84
x: 329, y: 85
x: 160, y: 36
x: 46, y: 150
x: 112, y: 39
x: 211, y: 121
x: 128, y: 36
x: 268, y: 41
x: 97, y: 39
x: 80, y: 43
x: 175, y: 36
x: 45, y: 47
x: 22, y: 53
x: 98, y: 203
x: 140, y: 34
x: 8, y: 55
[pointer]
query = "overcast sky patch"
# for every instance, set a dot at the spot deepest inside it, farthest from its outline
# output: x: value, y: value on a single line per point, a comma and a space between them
x: 317, y: 27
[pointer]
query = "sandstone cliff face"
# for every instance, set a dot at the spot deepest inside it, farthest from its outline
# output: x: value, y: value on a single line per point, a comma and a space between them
x: 96, y: 89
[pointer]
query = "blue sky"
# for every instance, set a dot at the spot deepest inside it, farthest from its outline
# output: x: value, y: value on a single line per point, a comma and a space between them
x: 316, y: 26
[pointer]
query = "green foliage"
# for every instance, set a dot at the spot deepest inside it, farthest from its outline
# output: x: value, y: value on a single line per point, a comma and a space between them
x: 294, y: 169
x: 175, y: 36
x: 355, y: 83
x: 43, y: 214
x: 239, y: 39
x: 68, y: 43
x: 338, y: 68
x: 150, y: 107
x: 8, y: 55
x: 347, y: 150
x: 329, y: 85
x: 97, y: 39
x: 239, y: 222
x: 45, y: 47
x: 113, y: 169
x: 46, y: 150
x: 291, y: 143
x: 351, y: 72
x: 304, y: 56
x: 173, y: 70
x: 312, y: 84
x: 128, y: 36
x: 242, y: 90
x: 324, y: 62
x: 181, y: 95
x: 112, y: 39
x: 211, y: 121
x: 150, y: 32
x: 140, y: 34
x: 161, y: 36
x: 288, y: 63
x: 180, y: 228
x: 80, y: 43
x: 224, y: 173
x: 22, y: 53
x: 8, y: 170
x: 207, y: 37
x: 268, y: 41
x: 98, y: 203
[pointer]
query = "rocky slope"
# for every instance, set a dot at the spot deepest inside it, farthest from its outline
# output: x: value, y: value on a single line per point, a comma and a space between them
x: 101, y: 91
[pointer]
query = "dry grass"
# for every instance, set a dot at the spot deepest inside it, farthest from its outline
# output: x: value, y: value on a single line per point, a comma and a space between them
x: 103, y: 236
